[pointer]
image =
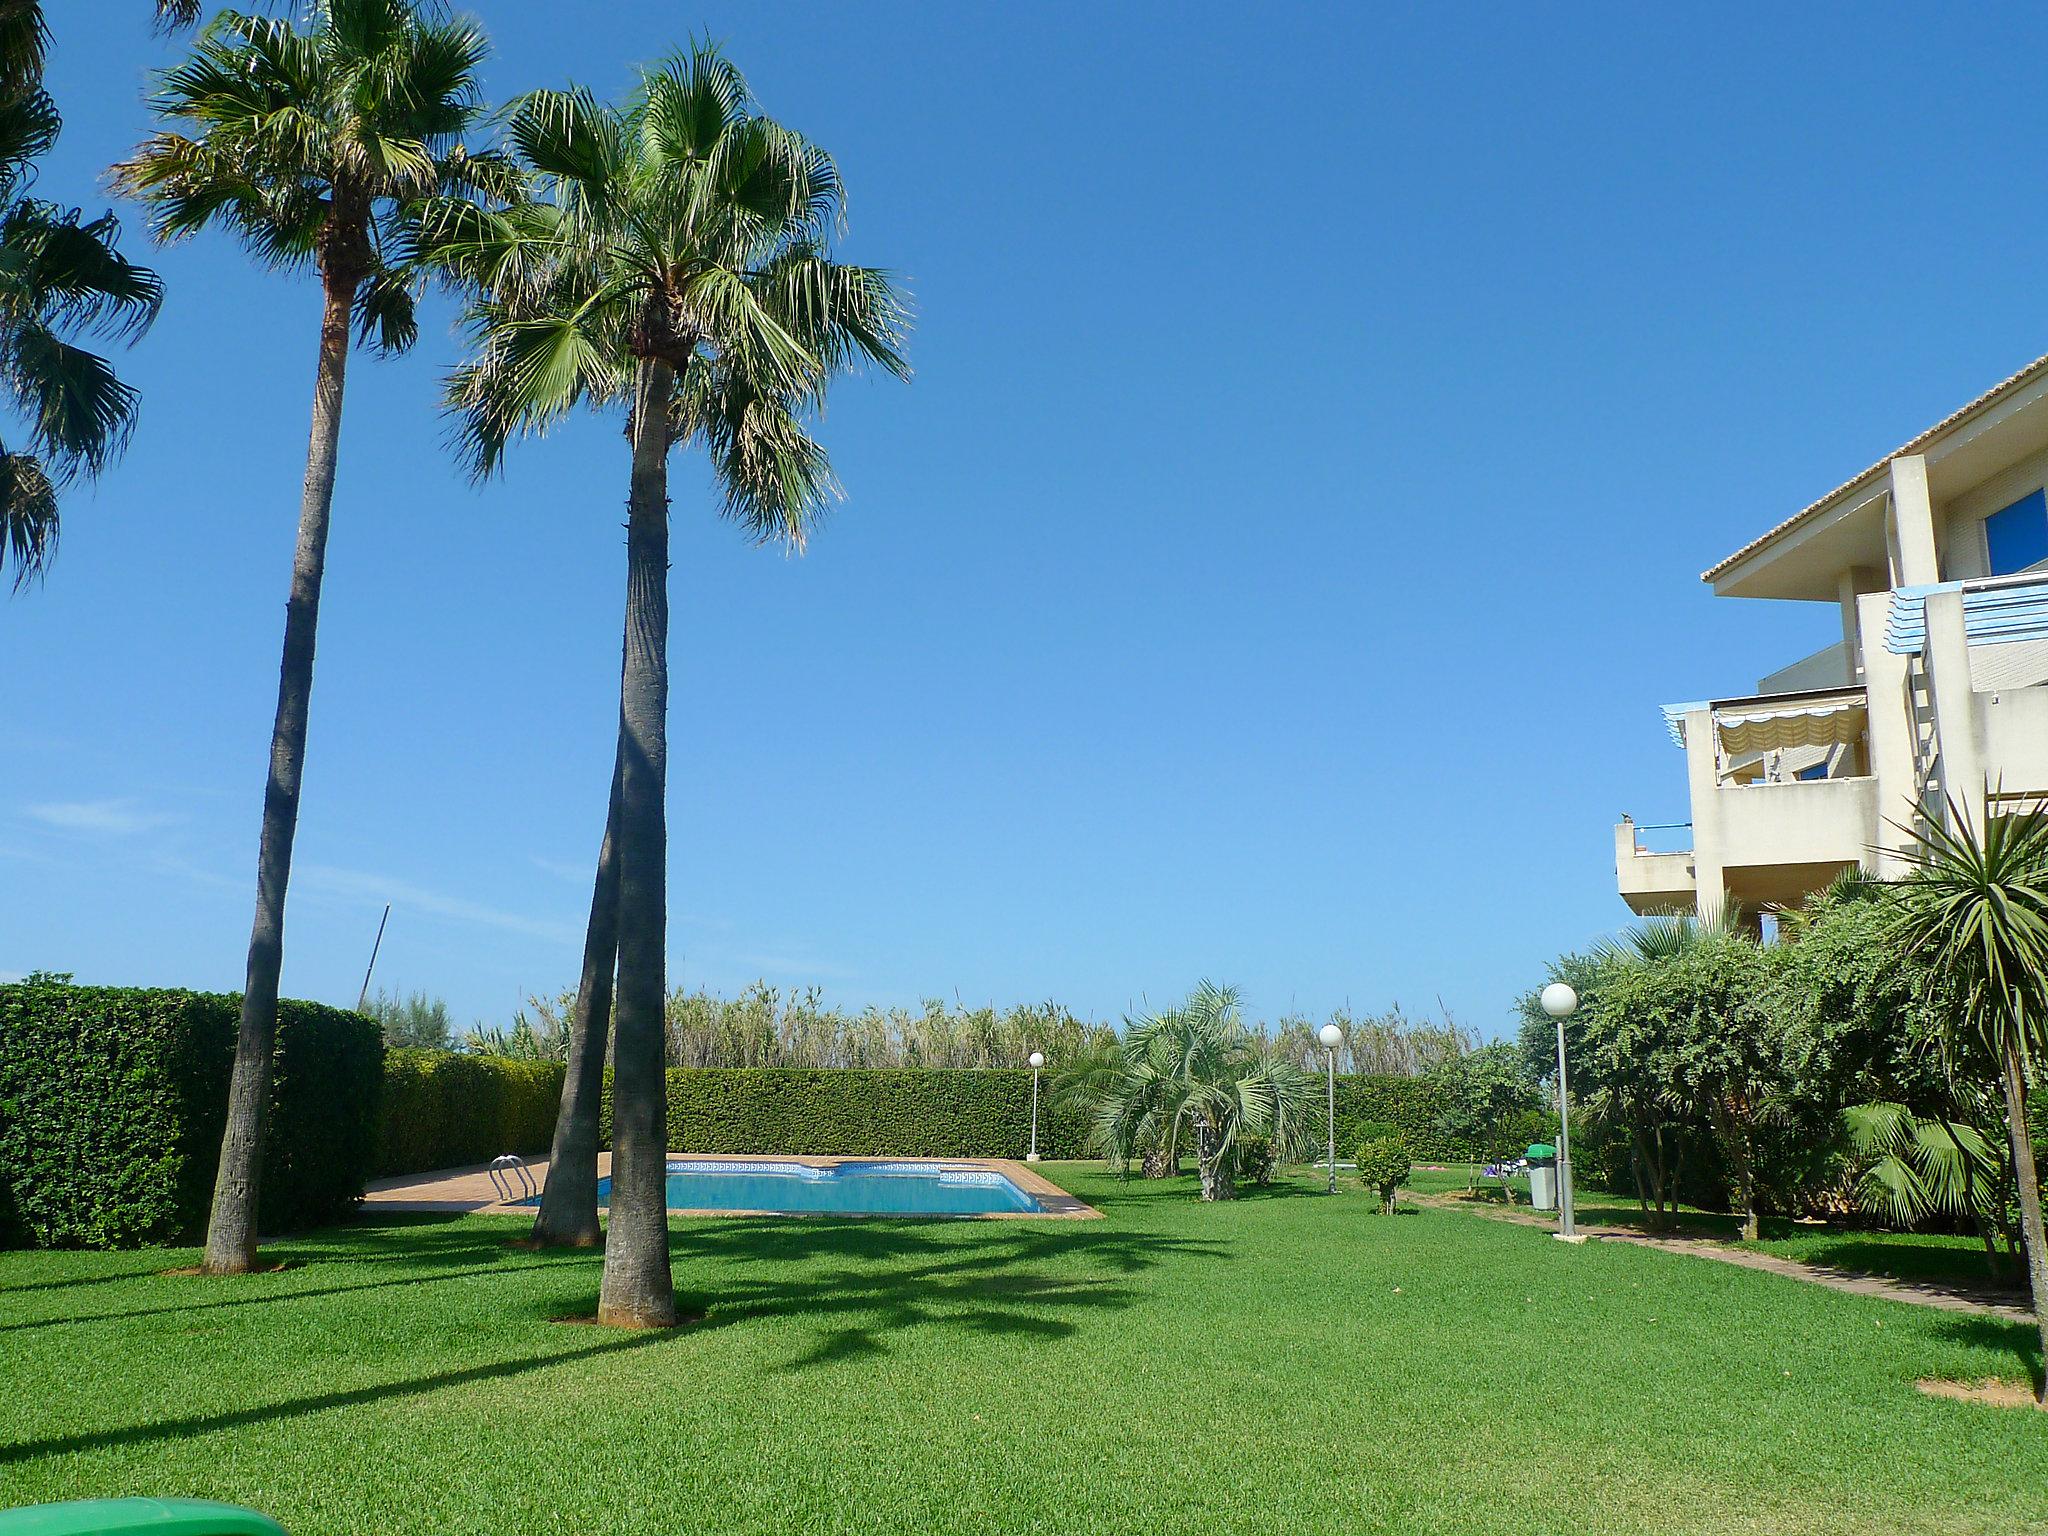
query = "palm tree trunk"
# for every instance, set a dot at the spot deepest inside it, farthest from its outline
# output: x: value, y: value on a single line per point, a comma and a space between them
x: 2013, y: 1075
x: 237, y: 1189
x: 568, y: 1202
x: 638, y: 1290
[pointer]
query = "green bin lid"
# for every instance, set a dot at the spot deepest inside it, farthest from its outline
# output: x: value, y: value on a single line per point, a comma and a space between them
x: 1541, y: 1149
x: 137, y: 1517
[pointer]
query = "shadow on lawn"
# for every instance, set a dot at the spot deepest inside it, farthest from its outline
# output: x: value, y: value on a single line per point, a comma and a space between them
x: 299, y: 1407
x: 862, y: 1282
x: 884, y: 1279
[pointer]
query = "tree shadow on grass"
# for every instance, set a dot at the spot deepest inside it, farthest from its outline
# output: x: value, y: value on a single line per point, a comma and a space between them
x: 884, y: 1280
x: 299, y: 1407
x: 273, y: 1298
x: 2022, y: 1340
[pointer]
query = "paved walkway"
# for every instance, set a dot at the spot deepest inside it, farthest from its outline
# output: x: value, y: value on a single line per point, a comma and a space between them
x: 1945, y: 1296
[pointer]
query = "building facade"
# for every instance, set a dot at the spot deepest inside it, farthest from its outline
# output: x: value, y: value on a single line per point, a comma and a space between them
x: 1932, y: 705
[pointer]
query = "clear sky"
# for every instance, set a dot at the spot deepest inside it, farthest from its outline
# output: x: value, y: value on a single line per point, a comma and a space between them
x: 1322, y: 417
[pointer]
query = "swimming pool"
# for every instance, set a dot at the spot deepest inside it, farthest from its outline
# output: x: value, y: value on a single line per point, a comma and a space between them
x: 882, y: 1187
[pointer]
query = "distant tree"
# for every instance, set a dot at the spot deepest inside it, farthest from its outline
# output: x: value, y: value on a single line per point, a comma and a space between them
x: 414, y: 1020
x: 312, y: 146
x: 1479, y: 1090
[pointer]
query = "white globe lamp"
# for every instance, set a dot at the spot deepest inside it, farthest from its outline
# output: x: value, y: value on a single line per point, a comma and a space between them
x: 1561, y: 1002
x: 1037, y: 1060
x: 1332, y: 1037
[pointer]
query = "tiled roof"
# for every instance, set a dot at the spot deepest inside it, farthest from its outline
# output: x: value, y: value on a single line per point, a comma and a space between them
x: 2004, y: 387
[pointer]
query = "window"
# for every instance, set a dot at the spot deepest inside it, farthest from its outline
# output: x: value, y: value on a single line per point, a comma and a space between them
x: 2017, y: 537
x: 1818, y: 771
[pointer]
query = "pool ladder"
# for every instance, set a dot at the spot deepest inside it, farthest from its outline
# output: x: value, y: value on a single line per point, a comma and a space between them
x: 511, y: 1180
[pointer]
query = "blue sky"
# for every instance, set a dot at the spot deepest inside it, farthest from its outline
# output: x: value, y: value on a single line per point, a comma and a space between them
x: 1272, y: 573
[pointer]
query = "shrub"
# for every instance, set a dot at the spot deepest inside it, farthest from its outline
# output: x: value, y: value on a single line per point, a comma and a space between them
x: 1257, y: 1159
x: 1413, y: 1105
x: 113, y: 1099
x: 1383, y: 1164
x: 444, y: 1110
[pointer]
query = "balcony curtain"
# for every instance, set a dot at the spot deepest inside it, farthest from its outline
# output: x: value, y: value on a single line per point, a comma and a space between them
x: 1774, y: 730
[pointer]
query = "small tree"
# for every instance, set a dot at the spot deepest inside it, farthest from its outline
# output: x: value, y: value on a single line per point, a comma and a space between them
x: 1383, y: 1165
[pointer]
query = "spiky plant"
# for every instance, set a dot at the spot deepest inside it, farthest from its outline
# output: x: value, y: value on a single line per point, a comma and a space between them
x: 1976, y: 914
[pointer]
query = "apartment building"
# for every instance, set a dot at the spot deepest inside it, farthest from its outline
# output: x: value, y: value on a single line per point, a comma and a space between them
x: 1936, y: 695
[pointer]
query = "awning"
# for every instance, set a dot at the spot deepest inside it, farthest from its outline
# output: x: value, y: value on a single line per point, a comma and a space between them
x: 1831, y: 723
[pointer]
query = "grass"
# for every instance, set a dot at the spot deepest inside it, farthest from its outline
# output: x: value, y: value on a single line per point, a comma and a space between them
x: 1284, y: 1362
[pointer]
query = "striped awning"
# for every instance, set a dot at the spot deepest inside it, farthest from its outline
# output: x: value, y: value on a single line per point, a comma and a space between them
x: 1827, y: 723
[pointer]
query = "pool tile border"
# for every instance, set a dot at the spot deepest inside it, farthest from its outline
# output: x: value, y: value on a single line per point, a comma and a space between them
x: 471, y: 1190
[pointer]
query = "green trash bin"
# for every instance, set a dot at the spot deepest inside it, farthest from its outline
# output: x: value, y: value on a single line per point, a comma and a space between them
x: 137, y: 1517
x: 1542, y: 1175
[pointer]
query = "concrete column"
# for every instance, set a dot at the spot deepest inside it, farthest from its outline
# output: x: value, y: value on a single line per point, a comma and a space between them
x: 1891, y: 737
x: 1912, y: 518
x: 1710, y: 882
x: 1955, y: 706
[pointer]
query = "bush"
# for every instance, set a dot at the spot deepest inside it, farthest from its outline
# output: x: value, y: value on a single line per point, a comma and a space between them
x: 445, y: 1110
x: 1257, y: 1159
x: 1412, y: 1105
x: 113, y: 1099
x: 1383, y: 1164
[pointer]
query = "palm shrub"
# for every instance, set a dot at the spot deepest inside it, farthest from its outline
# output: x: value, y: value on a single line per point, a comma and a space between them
x: 312, y: 145
x: 1195, y: 1077
x: 1976, y: 915
x: 672, y: 258
x: 1384, y: 1165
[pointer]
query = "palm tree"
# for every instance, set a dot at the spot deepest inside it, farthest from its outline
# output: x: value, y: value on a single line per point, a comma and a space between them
x: 674, y: 260
x: 309, y: 145
x: 1193, y: 1072
x: 1976, y: 912
x: 61, y: 276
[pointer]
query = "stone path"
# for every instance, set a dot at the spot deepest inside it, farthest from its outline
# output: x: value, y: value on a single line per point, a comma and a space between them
x: 1944, y: 1295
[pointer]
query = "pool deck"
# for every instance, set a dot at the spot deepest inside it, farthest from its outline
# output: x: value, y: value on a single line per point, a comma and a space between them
x: 471, y: 1189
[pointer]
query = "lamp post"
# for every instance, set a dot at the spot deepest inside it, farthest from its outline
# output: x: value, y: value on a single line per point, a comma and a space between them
x: 1332, y: 1037
x: 1561, y: 1002
x: 1037, y: 1061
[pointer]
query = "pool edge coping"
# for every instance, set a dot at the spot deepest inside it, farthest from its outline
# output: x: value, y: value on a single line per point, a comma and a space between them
x: 470, y: 1190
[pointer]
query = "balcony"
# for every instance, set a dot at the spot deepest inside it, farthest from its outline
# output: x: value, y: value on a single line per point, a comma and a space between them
x: 1782, y: 802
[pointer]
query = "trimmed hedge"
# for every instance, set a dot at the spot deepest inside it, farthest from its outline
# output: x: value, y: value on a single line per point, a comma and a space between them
x: 113, y: 1099
x: 1410, y: 1104
x: 447, y: 1110
x: 857, y: 1112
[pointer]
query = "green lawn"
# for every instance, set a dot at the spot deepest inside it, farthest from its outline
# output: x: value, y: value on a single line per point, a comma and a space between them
x: 1284, y: 1363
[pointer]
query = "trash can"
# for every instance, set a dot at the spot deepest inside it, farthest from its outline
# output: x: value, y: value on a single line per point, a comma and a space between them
x: 1542, y: 1176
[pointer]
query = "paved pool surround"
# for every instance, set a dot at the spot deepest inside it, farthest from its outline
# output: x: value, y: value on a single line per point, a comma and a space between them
x: 471, y: 1189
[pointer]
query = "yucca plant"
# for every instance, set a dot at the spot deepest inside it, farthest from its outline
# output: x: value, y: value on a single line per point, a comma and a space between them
x: 1976, y: 914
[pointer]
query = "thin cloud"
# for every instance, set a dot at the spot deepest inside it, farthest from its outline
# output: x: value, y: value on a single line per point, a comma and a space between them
x: 562, y: 869
x: 123, y: 817
x: 403, y: 896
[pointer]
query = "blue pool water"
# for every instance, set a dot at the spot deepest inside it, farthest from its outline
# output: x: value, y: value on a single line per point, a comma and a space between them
x: 881, y: 1188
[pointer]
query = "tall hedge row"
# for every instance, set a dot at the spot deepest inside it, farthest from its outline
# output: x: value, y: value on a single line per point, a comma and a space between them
x: 113, y: 1099
x: 443, y: 1110
x: 855, y: 1112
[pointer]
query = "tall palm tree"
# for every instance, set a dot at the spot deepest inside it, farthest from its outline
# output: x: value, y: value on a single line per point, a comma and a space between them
x: 674, y: 260
x: 1976, y: 912
x: 62, y: 276
x: 309, y: 145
